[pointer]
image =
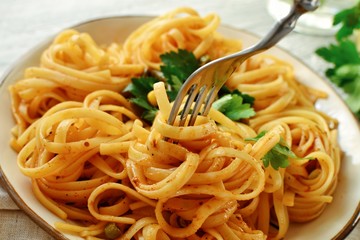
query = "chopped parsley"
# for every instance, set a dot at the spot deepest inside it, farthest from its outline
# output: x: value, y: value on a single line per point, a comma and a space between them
x: 344, y: 56
x: 278, y: 156
x: 176, y: 68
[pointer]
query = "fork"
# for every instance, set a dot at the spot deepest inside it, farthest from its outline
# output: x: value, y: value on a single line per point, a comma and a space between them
x: 202, y: 86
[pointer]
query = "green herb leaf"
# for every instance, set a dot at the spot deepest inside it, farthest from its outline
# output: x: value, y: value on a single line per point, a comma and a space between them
x: 254, y: 139
x: 141, y: 102
x: 278, y: 156
x: 342, y: 16
x: 276, y: 159
x: 175, y: 86
x: 233, y: 107
x: 139, y: 88
x: 150, y: 114
x: 178, y: 66
x: 224, y: 90
x: 343, y: 53
x: 284, y: 150
x: 349, y: 19
x: 348, y: 78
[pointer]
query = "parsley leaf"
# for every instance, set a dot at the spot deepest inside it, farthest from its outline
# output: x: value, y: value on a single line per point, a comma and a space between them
x: 180, y: 64
x: 349, y: 19
x: 348, y: 78
x: 278, y: 156
x: 345, y: 58
x: 346, y: 71
x: 176, y: 68
x: 233, y: 107
x: 149, y: 114
x: 139, y: 88
x: 246, y: 98
x: 254, y: 139
x: 276, y: 159
x: 343, y: 52
x: 175, y: 87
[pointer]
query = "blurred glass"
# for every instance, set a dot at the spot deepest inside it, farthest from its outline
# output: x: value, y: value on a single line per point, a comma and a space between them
x: 319, y: 22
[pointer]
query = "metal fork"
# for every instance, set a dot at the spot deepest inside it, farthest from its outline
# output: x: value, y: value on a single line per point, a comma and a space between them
x: 203, y: 85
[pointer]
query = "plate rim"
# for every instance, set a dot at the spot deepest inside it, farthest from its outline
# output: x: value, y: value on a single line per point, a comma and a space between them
x: 342, y: 234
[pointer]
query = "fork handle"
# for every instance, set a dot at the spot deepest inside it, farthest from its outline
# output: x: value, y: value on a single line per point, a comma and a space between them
x: 279, y: 31
x: 282, y: 27
x: 287, y: 24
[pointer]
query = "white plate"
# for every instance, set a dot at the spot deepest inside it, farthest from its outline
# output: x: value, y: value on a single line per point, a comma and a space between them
x: 336, y: 222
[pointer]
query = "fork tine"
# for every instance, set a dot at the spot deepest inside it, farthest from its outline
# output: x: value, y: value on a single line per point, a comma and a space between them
x: 209, y: 100
x: 189, y: 101
x: 186, y: 89
x: 198, y: 103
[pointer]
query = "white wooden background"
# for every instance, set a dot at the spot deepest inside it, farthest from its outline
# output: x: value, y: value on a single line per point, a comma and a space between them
x: 25, y: 23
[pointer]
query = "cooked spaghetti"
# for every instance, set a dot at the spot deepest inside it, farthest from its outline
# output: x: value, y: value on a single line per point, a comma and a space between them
x: 95, y: 164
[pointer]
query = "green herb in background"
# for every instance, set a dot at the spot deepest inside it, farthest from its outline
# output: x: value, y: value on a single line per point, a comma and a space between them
x: 348, y: 19
x: 176, y: 68
x: 344, y: 56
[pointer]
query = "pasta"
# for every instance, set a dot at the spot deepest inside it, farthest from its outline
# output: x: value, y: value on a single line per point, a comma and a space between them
x: 95, y: 164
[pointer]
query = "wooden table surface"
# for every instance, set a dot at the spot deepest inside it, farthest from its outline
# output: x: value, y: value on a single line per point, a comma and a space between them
x: 23, y: 24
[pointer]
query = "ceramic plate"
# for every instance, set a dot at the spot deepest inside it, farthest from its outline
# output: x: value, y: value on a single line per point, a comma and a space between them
x: 335, y: 223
